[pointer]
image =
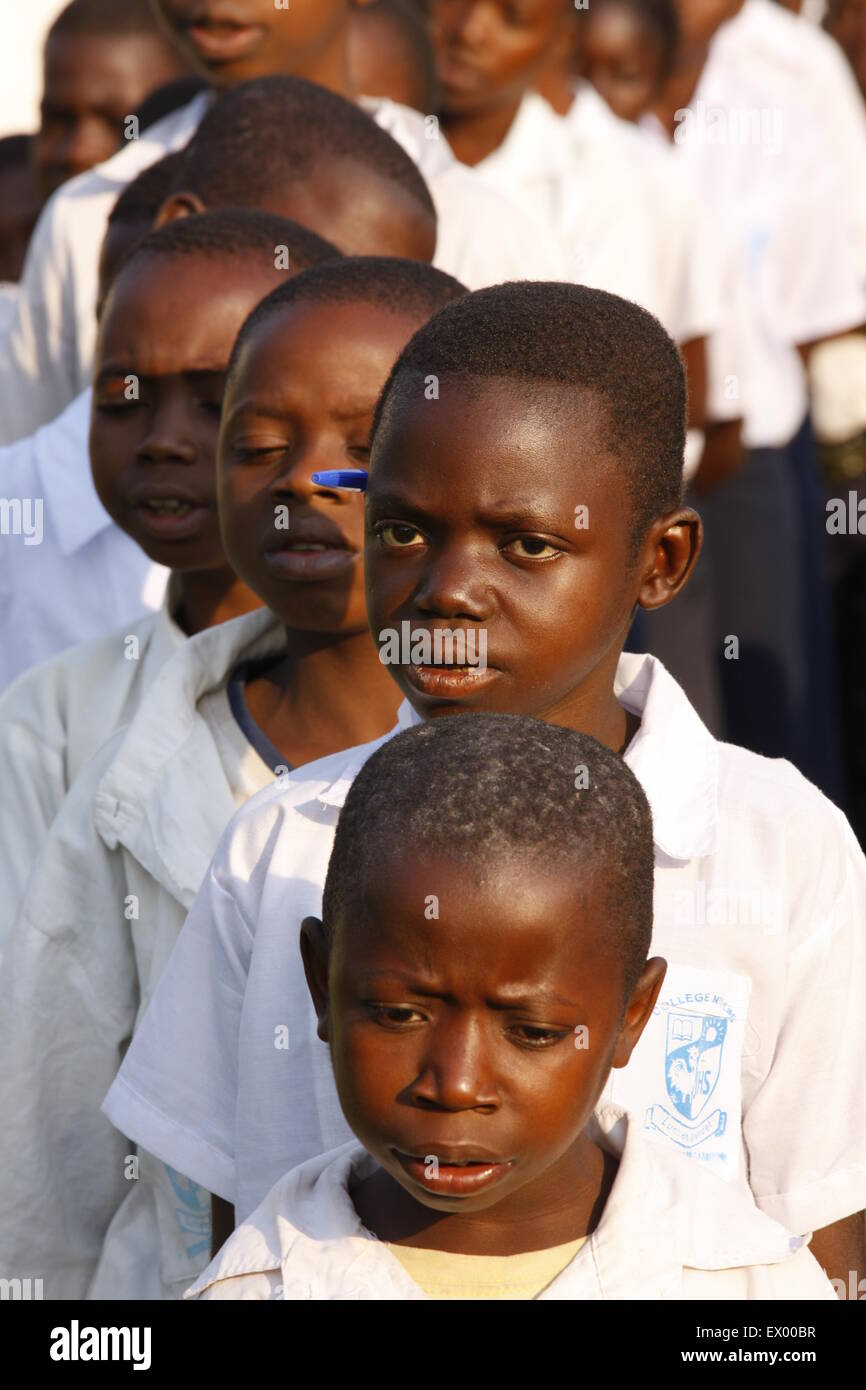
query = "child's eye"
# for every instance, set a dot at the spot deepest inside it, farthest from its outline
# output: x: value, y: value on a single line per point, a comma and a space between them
x: 532, y: 548
x: 395, y: 1015
x: 255, y: 450
x: 398, y: 535
x: 359, y: 452
x: 532, y: 1035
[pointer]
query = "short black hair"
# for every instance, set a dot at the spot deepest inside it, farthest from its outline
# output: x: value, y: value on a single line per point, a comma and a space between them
x: 227, y: 233
x: 141, y: 200
x: 488, y: 787
x: 659, y: 18
x: 171, y: 96
x: 274, y: 131
x: 407, y: 26
x: 112, y: 17
x: 531, y: 331
x: 386, y: 281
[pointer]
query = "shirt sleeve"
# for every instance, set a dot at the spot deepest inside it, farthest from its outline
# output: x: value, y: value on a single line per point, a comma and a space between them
x: 32, y: 775
x: 39, y: 372
x: 805, y: 1129
x: 175, y: 1093
x: 68, y: 998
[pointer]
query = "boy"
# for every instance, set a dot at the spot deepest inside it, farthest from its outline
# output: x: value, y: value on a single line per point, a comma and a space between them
x: 349, y: 181
x: 537, y: 499
x: 627, y: 50
x: 390, y: 54
x: 471, y: 1031
x: 168, y: 327
x: 235, y: 707
x: 101, y: 61
x: 47, y: 359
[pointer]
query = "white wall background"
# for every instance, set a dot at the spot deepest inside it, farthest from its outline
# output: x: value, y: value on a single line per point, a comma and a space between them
x: 23, y: 25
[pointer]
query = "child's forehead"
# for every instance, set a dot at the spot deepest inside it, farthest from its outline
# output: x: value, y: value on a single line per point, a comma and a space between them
x: 494, y: 428
x: 334, y: 324
x: 510, y: 912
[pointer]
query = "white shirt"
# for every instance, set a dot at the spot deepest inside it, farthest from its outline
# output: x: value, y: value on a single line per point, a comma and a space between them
x: 766, y: 40
x: 618, y: 205
x: 667, y: 1231
x: 47, y: 356
x: 770, y: 1007
x: 103, y: 908
x: 53, y: 719
x: 781, y: 199
x: 70, y: 574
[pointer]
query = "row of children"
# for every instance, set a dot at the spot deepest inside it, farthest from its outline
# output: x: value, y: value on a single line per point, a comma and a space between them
x: 525, y: 447
x: 725, y: 196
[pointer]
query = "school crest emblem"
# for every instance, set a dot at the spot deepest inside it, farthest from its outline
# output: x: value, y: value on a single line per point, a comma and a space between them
x: 693, y: 1060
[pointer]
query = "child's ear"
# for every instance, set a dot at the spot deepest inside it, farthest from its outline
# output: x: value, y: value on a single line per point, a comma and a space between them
x: 668, y: 556
x: 642, y: 1001
x: 178, y: 205
x: 315, y: 953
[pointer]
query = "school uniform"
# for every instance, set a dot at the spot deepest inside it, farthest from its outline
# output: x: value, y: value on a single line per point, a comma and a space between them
x: 47, y: 356
x: 102, y: 910
x: 625, y: 220
x: 53, y: 719
x: 667, y: 1231
x: 767, y: 42
x: 747, y: 1065
x: 763, y: 531
x: 71, y: 574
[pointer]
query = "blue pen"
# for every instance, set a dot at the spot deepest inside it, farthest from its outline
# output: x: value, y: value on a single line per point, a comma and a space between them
x: 349, y: 479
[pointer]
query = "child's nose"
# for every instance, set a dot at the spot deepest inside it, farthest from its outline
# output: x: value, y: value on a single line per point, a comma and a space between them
x: 296, y: 478
x: 452, y: 586
x: 456, y: 1072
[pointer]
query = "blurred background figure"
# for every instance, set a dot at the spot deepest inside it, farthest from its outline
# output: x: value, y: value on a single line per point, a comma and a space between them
x: 390, y: 54
x: 20, y: 204
x: 102, y: 59
x: 845, y: 20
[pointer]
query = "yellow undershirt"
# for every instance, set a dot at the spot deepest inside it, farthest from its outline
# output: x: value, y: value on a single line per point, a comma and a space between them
x: 443, y: 1275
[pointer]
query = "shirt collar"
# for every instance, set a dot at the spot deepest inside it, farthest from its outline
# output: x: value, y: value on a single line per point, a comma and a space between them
x: 63, y: 461
x: 165, y: 796
x: 674, y: 757
x: 664, y: 1214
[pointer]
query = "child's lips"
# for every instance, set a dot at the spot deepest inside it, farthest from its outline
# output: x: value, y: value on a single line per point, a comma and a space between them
x: 169, y: 518
x: 463, y: 1179
x: 449, y: 682
x: 311, y: 561
x: 223, y: 42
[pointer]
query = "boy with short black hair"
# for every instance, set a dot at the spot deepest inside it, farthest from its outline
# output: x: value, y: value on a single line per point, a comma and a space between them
x: 101, y: 61
x: 231, y: 711
x: 166, y: 334
x: 472, y: 1020
x: 534, y: 497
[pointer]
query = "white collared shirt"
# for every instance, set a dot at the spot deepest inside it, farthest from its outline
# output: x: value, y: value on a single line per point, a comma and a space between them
x: 53, y: 718
x: 70, y: 574
x: 46, y: 357
x: 753, y: 156
x: 619, y: 207
x: 97, y: 921
x: 769, y: 41
x: 746, y: 1066
x: 667, y: 1231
